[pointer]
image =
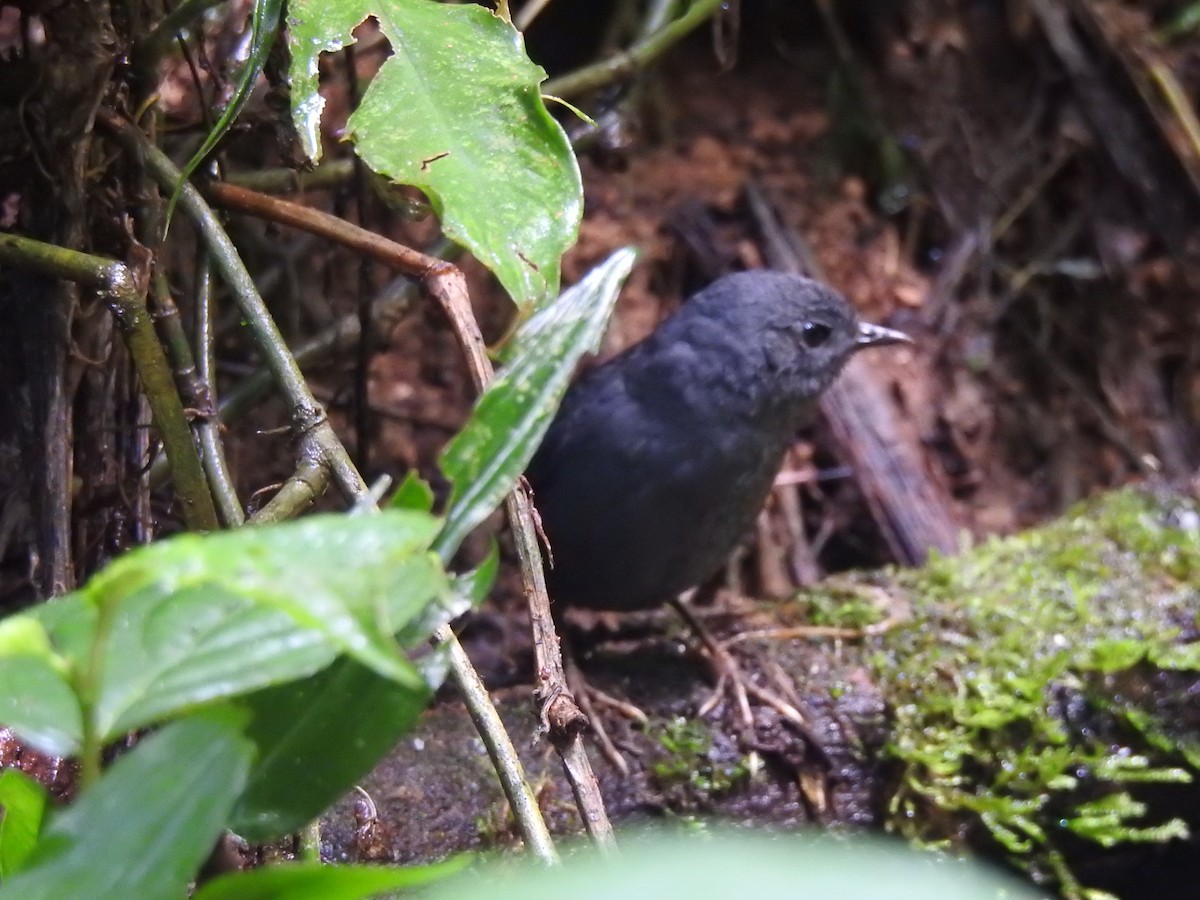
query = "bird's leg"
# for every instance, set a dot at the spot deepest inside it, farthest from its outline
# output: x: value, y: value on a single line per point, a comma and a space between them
x: 730, y: 675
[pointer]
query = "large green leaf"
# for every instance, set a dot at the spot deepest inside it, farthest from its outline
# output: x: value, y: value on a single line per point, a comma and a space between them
x: 317, y: 737
x: 146, y: 826
x: 200, y: 618
x: 484, y: 460
x: 22, y: 805
x: 456, y: 111
x: 719, y: 864
x: 313, y: 881
x: 37, y: 699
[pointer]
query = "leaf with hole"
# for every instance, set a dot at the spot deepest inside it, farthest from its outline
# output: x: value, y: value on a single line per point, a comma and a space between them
x: 455, y: 111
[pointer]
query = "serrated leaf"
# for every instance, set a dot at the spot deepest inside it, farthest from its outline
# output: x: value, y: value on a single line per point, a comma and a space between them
x: 486, y: 457
x: 313, y: 881
x: 146, y: 826
x: 456, y: 111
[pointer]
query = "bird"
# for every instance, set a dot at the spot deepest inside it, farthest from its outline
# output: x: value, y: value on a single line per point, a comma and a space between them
x: 658, y: 460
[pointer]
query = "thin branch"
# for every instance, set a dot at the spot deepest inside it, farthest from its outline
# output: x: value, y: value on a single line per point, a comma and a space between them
x: 445, y: 283
x: 179, y: 19
x: 298, y: 493
x: 208, y: 427
x: 500, y: 749
x: 331, y: 174
x: 169, y: 323
x: 637, y: 57
x: 527, y: 13
x: 308, y: 417
x: 125, y: 296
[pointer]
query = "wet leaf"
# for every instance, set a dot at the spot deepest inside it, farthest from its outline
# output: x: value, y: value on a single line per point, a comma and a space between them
x: 146, y: 826
x: 320, y: 882
x: 484, y: 460
x: 199, y: 618
x: 457, y: 112
x: 316, y: 738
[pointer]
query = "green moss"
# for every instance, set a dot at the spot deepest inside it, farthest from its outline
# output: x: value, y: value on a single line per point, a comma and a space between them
x: 689, y: 765
x: 1023, y: 689
x: 831, y: 606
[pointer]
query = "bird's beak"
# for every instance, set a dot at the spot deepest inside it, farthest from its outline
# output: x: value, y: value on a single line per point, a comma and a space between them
x: 876, y: 336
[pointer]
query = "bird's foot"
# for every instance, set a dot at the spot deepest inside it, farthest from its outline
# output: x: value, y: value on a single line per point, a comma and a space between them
x: 734, y: 682
x: 589, y: 697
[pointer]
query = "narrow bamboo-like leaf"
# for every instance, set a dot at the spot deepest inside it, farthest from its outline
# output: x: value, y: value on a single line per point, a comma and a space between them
x: 484, y: 460
x: 475, y: 584
x: 313, y: 881
x: 264, y: 25
x: 457, y: 112
x: 22, y: 805
x: 146, y: 826
x: 316, y: 738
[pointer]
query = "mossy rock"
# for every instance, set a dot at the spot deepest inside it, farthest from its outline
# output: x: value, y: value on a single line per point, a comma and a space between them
x: 1041, y: 688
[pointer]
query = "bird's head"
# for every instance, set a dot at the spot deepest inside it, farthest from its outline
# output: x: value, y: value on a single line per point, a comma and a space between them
x: 790, y: 333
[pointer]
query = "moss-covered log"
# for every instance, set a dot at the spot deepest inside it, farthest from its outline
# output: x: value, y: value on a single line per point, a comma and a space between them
x: 1033, y: 699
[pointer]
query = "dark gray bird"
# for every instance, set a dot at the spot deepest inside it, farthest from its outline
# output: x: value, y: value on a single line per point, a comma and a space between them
x: 659, y: 459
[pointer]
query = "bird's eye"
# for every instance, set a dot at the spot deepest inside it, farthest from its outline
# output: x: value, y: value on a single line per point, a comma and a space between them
x: 814, y: 334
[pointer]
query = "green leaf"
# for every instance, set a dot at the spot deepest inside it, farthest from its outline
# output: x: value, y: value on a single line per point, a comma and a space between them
x: 457, y: 112
x: 224, y: 614
x: 475, y: 584
x: 22, y: 805
x: 1185, y: 657
x: 36, y: 698
x: 316, y: 738
x: 264, y: 25
x: 202, y: 618
x: 722, y: 864
x: 484, y: 460
x: 414, y: 493
x: 1115, y: 654
x: 147, y: 825
x: 312, y: 881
